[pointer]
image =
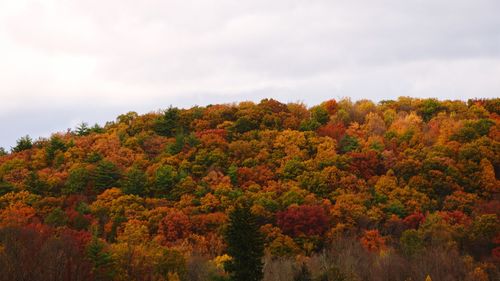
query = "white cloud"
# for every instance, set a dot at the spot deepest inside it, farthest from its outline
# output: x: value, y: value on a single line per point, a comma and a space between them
x: 94, y: 57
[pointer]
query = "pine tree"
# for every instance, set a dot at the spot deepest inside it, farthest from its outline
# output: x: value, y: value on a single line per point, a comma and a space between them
x: 106, y: 175
x: 166, y: 178
x: 55, y: 144
x: 167, y: 125
x: 245, y: 245
x: 82, y: 129
x: 77, y: 181
x: 34, y: 184
x: 23, y: 143
x: 134, y: 182
x: 102, y: 261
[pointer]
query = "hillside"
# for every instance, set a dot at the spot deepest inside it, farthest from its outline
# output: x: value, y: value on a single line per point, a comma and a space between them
x: 355, y: 190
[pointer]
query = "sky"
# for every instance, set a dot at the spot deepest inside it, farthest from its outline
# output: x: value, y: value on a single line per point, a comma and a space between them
x: 64, y: 62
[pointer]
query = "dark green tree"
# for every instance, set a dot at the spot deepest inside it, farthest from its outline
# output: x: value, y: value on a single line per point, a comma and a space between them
x: 23, y: 143
x: 82, y: 129
x: 56, y: 218
x: 102, y: 261
x: 77, y: 181
x: 168, y: 124
x: 34, y: 184
x: 429, y: 108
x: 178, y: 145
x: 244, y: 124
x: 309, y: 125
x: 97, y: 129
x: 320, y: 115
x: 5, y: 187
x: 245, y: 245
x: 293, y: 168
x: 55, y: 144
x: 165, y: 180
x: 348, y: 143
x: 482, y: 126
x: 232, y: 172
x: 93, y: 157
x: 106, y: 175
x: 134, y: 181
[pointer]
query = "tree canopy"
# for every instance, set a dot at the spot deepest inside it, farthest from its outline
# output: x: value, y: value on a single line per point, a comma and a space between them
x: 407, y: 188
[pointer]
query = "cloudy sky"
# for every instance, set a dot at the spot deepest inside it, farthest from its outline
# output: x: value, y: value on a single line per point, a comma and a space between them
x: 63, y: 62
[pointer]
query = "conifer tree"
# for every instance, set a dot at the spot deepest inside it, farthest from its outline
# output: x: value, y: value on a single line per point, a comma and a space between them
x: 23, y: 143
x: 167, y: 125
x: 102, y: 260
x: 166, y: 178
x: 245, y: 245
x: 34, y: 184
x: 134, y: 182
x: 106, y: 175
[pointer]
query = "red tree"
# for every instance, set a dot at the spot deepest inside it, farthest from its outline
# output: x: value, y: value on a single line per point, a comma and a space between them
x: 303, y: 220
x: 176, y: 225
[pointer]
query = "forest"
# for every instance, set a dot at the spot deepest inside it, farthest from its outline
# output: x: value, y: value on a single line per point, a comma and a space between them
x: 404, y: 189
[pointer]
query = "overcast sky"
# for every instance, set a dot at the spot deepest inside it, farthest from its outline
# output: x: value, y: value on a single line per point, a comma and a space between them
x: 63, y: 62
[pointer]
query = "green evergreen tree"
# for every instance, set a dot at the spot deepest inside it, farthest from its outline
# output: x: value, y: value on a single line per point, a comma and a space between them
x: 97, y: 129
x: 168, y: 124
x: 82, y: 129
x: 232, y: 172
x: 102, y: 261
x: 23, y: 143
x: 166, y: 178
x: 348, y: 143
x: 77, y: 181
x: 5, y: 187
x: 320, y: 115
x: 56, y: 218
x: 429, y: 108
x: 245, y: 245
x: 55, y: 144
x: 134, y: 182
x: 34, y: 184
x: 178, y: 145
x: 106, y: 175
x: 244, y: 124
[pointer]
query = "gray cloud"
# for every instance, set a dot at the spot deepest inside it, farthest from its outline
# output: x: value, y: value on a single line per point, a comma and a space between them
x: 64, y: 61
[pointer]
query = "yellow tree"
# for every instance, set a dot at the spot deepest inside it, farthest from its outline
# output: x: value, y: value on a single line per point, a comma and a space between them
x: 488, y: 180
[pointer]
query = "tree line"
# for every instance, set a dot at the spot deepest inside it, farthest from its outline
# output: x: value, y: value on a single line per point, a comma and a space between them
x: 404, y: 189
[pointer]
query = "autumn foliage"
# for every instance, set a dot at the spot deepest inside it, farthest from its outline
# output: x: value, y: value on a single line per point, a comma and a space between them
x: 303, y: 220
x: 407, y: 188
